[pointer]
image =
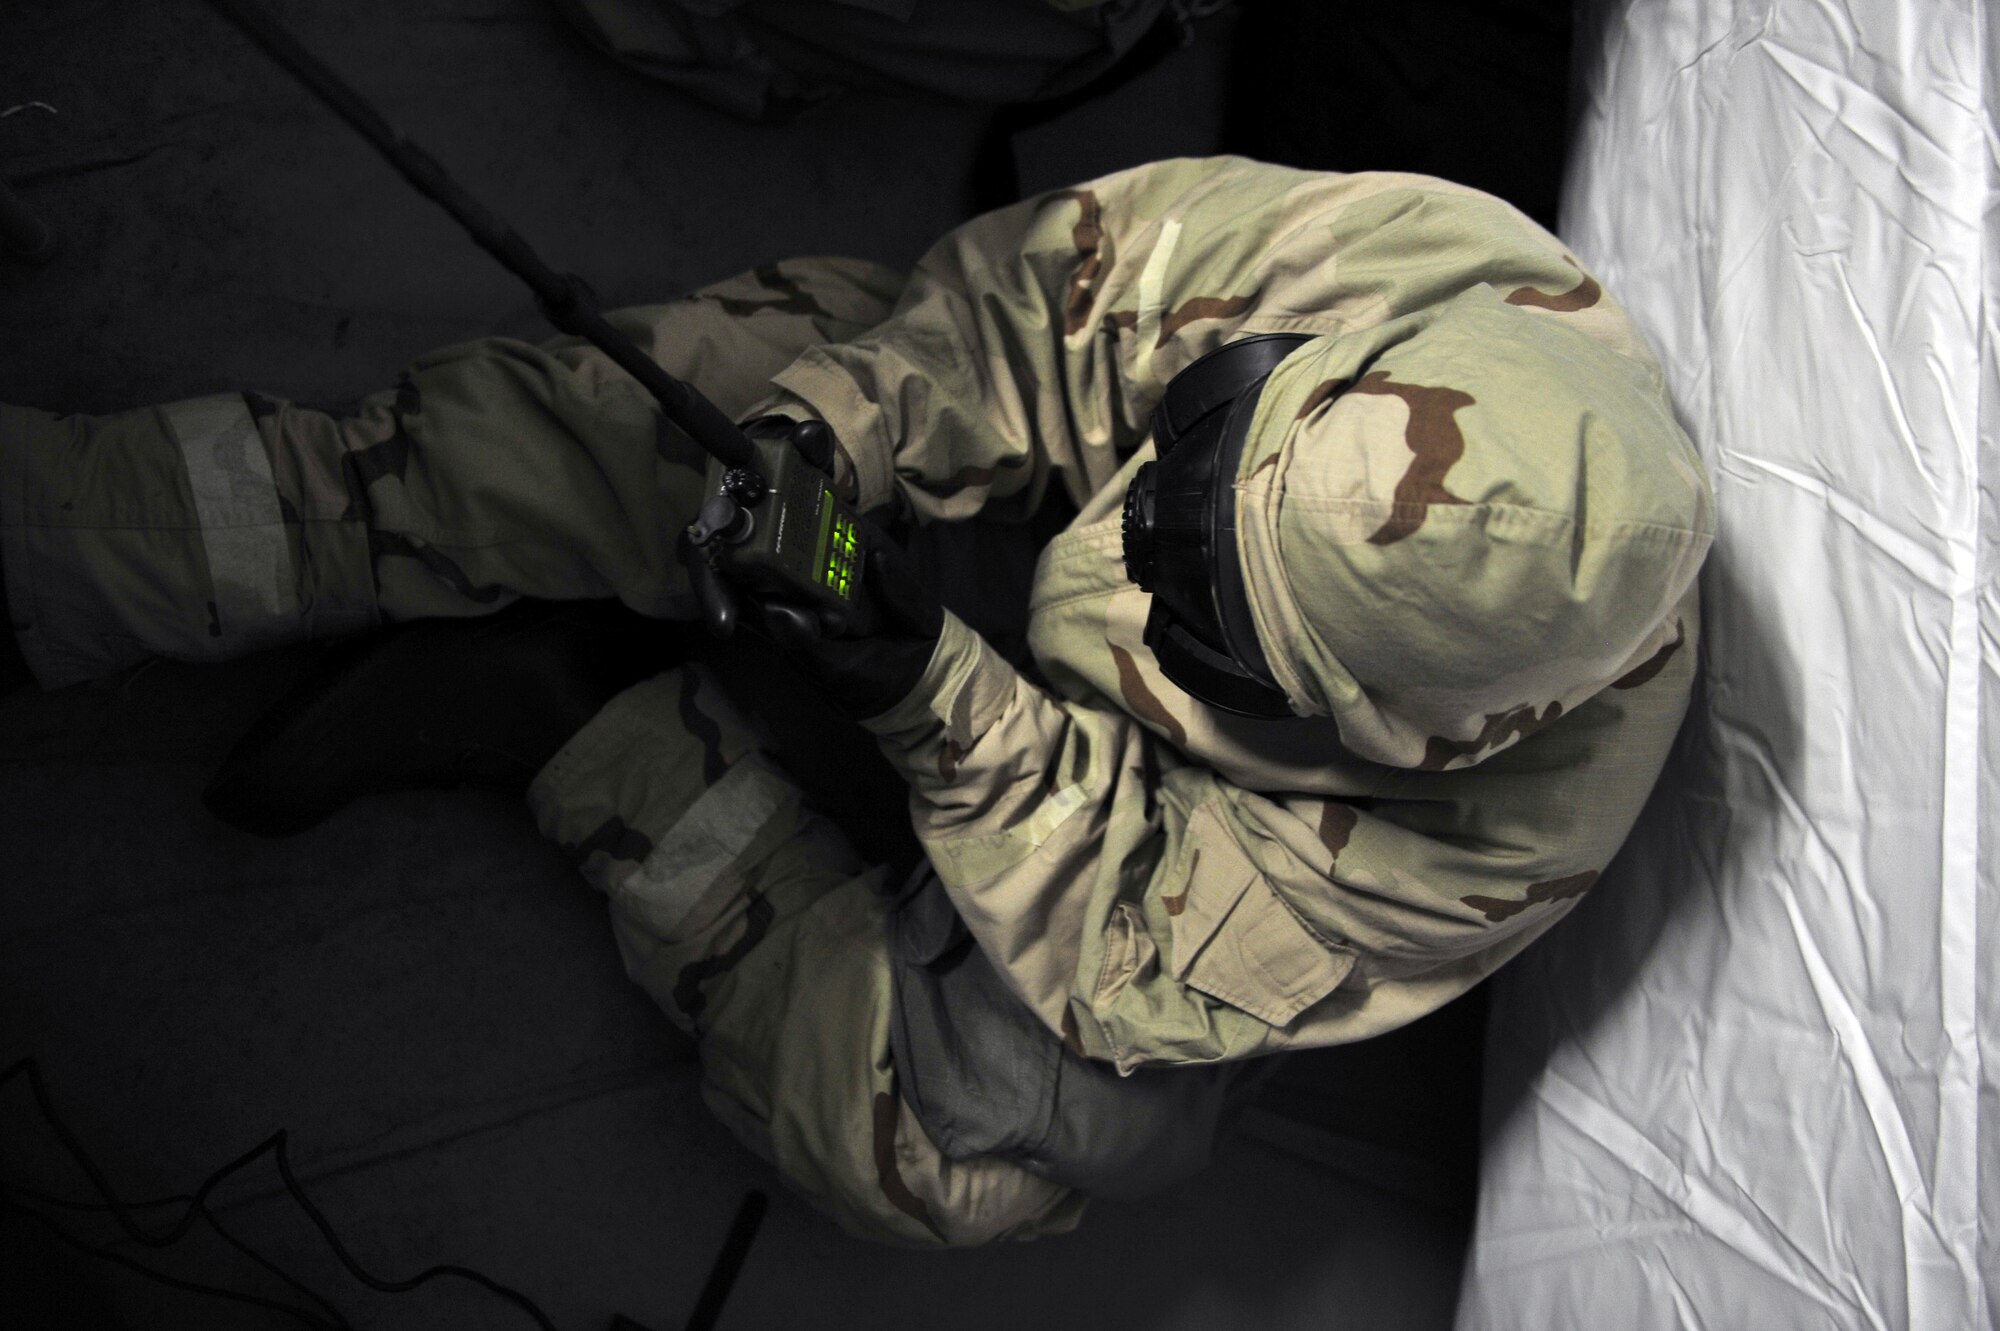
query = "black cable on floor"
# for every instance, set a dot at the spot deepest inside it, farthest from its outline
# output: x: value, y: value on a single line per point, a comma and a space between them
x: 117, y: 1258
x: 197, y: 1210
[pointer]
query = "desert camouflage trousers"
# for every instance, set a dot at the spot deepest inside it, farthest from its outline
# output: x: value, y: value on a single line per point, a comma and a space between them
x: 752, y: 922
x: 209, y: 528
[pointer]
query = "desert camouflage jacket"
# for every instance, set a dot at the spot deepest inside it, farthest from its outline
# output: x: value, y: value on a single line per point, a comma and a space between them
x: 1165, y: 883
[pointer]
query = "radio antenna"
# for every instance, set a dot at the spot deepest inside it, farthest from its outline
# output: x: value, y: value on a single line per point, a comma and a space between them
x: 565, y: 299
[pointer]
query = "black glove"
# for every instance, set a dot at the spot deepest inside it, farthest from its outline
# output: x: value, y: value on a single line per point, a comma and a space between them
x: 871, y: 661
x: 866, y: 673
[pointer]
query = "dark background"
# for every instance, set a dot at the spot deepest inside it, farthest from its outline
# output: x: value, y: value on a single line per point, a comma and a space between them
x: 419, y: 989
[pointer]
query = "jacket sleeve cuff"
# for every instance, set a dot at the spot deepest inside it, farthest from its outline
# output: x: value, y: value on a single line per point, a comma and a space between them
x: 816, y: 384
x: 962, y: 694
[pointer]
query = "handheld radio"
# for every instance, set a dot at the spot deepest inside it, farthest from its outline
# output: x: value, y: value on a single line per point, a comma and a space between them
x: 778, y: 530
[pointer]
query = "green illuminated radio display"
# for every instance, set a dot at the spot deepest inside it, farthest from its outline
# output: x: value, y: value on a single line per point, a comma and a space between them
x: 837, y: 559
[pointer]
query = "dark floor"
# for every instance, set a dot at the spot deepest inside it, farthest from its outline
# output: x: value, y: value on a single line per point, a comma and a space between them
x: 420, y: 991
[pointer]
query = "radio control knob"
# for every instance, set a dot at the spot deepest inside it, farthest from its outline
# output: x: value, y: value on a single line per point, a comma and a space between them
x: 746, y: 487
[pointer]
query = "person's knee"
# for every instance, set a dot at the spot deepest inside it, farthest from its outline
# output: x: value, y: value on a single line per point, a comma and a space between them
x: 963, y: 1203
x: 795, y: 1052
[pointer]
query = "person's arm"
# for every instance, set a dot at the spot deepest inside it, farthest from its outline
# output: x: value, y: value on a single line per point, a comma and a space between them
x: 1032, y: 343
x: 1153, y: 912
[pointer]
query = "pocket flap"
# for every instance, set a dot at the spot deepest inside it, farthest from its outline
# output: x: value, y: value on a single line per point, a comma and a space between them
x: 1235, y: 940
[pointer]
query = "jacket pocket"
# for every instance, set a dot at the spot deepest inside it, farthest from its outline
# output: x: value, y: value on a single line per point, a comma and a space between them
x: 1236, y: 940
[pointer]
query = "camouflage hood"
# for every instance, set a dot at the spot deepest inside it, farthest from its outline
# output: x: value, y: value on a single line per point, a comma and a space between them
x: 1460, y: 524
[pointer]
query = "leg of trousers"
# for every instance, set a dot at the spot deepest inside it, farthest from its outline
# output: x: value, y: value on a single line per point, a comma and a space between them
x: 205, y: 529
x: 753, y: 924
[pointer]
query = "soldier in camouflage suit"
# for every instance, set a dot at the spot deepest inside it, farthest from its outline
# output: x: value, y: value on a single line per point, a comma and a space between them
x: 1469, y: 527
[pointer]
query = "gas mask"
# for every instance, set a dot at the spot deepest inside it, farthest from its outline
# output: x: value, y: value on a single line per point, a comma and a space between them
x: 1180, y: 530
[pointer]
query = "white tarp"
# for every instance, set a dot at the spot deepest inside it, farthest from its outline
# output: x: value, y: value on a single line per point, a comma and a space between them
x: 1754, y: 1080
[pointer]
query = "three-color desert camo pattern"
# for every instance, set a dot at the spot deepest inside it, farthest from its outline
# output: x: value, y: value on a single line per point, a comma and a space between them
x: 1470, y: 529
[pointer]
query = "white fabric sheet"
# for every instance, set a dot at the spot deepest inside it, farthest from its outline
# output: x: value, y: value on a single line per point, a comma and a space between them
x: 1754, y: 1080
